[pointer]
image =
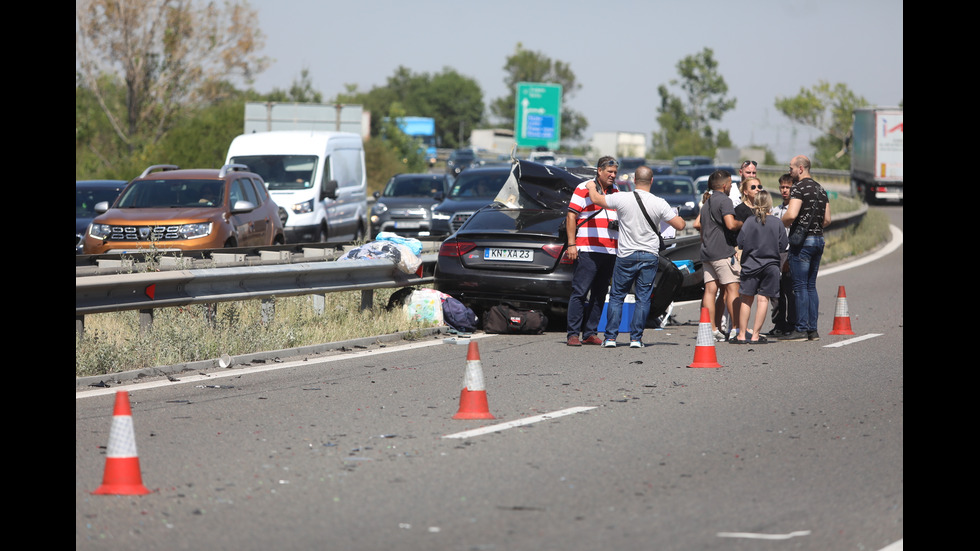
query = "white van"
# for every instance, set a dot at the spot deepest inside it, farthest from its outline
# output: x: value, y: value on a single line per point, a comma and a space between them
x: 317, y: 178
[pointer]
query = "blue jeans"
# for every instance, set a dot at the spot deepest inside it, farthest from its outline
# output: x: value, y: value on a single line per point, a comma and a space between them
x: 589, y: 284
x: 804, y: 261
x: 636, y: 270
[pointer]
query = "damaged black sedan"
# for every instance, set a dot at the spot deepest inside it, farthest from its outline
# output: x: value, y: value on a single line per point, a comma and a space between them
x: 514, y: 250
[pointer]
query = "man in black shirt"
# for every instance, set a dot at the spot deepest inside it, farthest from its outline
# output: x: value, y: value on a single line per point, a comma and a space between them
x: 808, y: 207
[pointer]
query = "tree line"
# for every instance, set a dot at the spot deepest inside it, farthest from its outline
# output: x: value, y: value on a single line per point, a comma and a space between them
x: 166, y: 81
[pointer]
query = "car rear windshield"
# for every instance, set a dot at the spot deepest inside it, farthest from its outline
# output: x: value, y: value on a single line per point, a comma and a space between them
x: 530, y: 221
x: 479, y: 184
x: 148, y: 194
x: 282, y: 172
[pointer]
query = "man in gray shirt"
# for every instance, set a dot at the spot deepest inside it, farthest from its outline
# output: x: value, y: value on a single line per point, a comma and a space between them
x: 717, y: 224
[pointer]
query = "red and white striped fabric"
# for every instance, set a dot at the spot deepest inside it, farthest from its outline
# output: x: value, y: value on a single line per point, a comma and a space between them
x: 594, y: 235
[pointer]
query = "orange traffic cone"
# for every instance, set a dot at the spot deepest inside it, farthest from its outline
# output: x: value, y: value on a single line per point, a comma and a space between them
x: 842, y: 322
x: 122, y: 465
x: 473, y: 398
x: 704, y: 352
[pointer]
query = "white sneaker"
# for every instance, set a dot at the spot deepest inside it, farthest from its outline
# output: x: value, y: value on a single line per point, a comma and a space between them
x: 719, y: 336
x: 609, y: 344
x: 636, y: 344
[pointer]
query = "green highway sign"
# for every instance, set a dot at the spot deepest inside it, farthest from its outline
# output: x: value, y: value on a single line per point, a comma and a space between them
x: 537, y: 119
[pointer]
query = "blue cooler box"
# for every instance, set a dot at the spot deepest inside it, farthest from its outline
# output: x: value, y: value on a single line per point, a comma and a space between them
x: 629, y: 305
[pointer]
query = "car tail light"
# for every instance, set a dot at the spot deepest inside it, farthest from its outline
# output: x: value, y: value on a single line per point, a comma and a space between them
x: 555, y: 250
x: 456, y: 248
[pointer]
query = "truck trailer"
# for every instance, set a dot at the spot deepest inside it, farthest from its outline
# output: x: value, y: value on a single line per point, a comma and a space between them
x: 876, y: 154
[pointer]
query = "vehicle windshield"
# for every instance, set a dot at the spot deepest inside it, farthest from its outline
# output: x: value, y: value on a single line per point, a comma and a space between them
x: 86, y: 199
x: 423, y: 186
x: 281, y: 172
x: 572, y: 162
x: 479, y: 184
x: 149, y: 194
x: 663, y: 188
x: 630, y: 165
x: 464, y: 155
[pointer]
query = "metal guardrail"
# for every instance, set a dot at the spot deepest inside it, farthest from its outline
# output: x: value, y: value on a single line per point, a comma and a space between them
x: 145, y: 291
x: 138, y: 291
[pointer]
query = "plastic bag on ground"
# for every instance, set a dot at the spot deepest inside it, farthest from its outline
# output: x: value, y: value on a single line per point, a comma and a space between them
x: 425, y: 305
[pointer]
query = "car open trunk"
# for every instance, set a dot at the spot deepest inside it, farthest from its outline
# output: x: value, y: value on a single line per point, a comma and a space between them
x: 535, y: 186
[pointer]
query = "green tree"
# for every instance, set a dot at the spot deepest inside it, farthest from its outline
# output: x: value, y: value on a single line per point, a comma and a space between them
x: 452, y: 100
x: 528, y: 66
x: 685, y: 126
x: 301, y: 91
x: 166, y: 55
x: 829, y: 109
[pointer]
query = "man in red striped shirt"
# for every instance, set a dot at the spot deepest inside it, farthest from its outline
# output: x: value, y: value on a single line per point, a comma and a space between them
x: 592, y: 233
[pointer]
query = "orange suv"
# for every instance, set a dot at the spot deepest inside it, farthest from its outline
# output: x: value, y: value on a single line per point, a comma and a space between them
x: 166, y: 208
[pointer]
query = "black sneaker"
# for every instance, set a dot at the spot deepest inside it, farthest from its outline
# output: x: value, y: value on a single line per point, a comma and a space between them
x: 794, y: 336
x: 812, y: 336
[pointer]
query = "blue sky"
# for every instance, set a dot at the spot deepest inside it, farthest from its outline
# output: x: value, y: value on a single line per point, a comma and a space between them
x: 620, y: 51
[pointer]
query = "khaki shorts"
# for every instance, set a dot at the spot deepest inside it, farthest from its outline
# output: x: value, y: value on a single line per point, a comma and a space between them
x: 720, y: 271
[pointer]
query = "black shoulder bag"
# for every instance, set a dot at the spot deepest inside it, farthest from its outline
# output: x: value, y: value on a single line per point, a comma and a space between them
x: 655, y: 228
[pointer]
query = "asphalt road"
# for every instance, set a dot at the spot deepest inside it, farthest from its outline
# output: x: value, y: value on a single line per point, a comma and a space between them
x: 786, y: 446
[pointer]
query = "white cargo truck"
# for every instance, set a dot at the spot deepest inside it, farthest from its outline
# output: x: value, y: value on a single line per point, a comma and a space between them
x: 876, y: 154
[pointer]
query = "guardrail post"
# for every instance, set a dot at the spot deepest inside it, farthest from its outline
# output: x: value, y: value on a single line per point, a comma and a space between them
x: 367, y: 299
x: 80, y: 325
x: 268, y: 309
x: 211, y: 314
x: 319, y: 304
x: 146, y: 319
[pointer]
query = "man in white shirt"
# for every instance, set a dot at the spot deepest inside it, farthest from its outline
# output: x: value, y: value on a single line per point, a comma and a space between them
x: 640, y: 214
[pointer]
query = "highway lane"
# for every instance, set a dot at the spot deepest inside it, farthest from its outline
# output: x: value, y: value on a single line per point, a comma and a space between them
x: 801, y: 442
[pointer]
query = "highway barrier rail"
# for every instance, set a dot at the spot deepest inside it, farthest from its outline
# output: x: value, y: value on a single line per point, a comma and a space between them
x: 247, y: 277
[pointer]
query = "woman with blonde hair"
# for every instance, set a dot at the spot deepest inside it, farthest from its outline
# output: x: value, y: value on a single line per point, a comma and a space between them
x: 761, y: 239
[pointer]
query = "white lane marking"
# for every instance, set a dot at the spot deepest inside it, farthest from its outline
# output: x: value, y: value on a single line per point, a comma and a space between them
x: 518, y: 423
x: 213, y: 375
x: 854, y: 340
x: 895, y: 546
x: 753, y: 535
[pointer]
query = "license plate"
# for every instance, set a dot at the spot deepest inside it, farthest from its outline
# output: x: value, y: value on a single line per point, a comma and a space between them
x: 516, y: 255
x: 407, y: 225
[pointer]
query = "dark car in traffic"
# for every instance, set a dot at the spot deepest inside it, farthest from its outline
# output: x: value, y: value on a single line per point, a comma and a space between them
x: 679, y: 192
x: 473, y: 188
x: 684, y: 164
x: 89, y: 193
x: 514, y: 249
x: 405, y: 205
x: 461, y: 159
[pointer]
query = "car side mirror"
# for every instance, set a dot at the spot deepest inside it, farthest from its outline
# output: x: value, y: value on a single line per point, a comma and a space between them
x: 101, y: 207
x: 242, y: 206
x: 377, y: 194
x: 329, y: 190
